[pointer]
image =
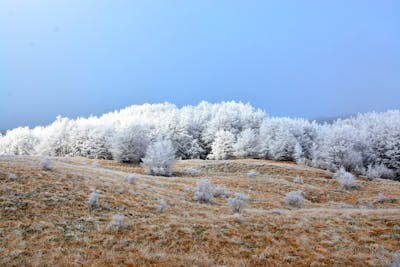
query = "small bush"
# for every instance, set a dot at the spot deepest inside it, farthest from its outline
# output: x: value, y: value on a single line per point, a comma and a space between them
x: 252, y: 173
x: 162, y: 206
x: 238, y: 202
x: 118, y: 222
x: 220, y: 192
x: 46, y: 165
x: 192, y: 171
x: 204, y: 191
x: 294, y: 198
x: 346, y: 179
x: 298, y: 180
x: 379, y: 171
x: 159, y: 159
x: 12, y: 176
x: 187, y: 190
x: 131, y: 178
x: 93, y: 199
x: 381, y: 197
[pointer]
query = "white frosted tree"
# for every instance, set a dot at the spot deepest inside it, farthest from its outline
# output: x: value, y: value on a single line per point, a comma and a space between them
x: 20, y: 141
x: 129, y: 144
x: 246, y: 145
x: 222, y: 147
x: 160, y: 158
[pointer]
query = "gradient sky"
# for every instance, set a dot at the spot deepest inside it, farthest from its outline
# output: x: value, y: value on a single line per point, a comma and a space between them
x: 291, y: 58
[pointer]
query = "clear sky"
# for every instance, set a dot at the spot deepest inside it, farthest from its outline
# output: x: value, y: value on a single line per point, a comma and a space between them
x: 291, y: 58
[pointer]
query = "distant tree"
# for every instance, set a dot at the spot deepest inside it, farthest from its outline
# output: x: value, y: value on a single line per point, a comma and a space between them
x: 246, y: 145
x: 222, y: 147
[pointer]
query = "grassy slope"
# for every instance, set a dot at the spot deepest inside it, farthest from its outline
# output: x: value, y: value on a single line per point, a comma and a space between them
x: 45, y: 220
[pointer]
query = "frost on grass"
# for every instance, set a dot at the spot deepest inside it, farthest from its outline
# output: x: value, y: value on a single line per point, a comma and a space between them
x: 252, y: 173
x: 46, y: 165
x: 192, y: 171
x: 389, y: 259
x: 345, y: 179
x: 162, y: 206
x: 131, y: 178
x: 238, y: 202
x: 12, y: 176
x: 93, y: 199
x: 204, y: 191
x: 220, y: 191
x: 187, y: 189
x: 294, y: 198
x: 117, y: 222
x: 381, y: 197
x: 298, y: 180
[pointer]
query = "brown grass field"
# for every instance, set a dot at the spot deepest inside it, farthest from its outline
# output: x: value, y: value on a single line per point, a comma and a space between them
x: 45, y: 219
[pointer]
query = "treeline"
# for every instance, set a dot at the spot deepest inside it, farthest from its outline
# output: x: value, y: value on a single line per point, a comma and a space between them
x: 366, y: 144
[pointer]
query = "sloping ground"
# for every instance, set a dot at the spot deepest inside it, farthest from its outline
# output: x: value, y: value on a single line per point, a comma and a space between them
x: 45, y: 219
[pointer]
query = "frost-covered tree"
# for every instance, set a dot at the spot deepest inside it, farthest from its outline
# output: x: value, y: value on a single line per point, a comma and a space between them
x: 129, y: 144
x: 246, y: 145
x: 160, y: 158
x: 222, y: 147
x: 20, y: 141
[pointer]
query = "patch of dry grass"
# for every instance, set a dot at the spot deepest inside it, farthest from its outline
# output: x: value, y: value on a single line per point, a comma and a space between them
x: 45, y: 219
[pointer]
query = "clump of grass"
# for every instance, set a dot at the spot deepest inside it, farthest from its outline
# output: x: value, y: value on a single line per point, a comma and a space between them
x: 238, y: 202
x: 220, y: 192
x: 252, y: 173
x: 162, y: 206
x: 381, y: 197
x: 131, y: 178
x: 46, y: 165
x: 12, y: 176
x: 93, y: 199
x: 117, y: 222
x: 298, y: 180
x: 294, y: 198
x: 204, y: 191
x: 192, y: 171
x: 345, y: 179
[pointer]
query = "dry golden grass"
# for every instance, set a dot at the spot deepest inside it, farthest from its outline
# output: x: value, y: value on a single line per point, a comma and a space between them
x: 45, y: 220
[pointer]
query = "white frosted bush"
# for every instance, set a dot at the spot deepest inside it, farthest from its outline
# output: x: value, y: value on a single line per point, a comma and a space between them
x: 220, y: 192
x: 12, y: 176
x: 192, y: 171
x: 131, y: 178
x: 162, y: 205
x: 381, y: 197
x: 252, y: 173
x: 118, y: 222
x: 204, y: 191
x: 46, y: 165
x: 93, y: 199
x: 159, y: 159
x: 345, y: 179
x: 379, y: 171
x: 298, y: 180
x: 238, y: 202
x: 294, y: 198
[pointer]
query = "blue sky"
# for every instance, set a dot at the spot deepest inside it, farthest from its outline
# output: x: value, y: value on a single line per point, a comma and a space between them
x: 291, y: 58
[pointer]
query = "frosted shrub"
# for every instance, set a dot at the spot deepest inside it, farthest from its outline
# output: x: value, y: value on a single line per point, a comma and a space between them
x: 93, y: 198
x: 187, y: 190
x: 238, y: 202
x: 298, y: 180
x: 294, y: 198
x: 12, y: 176
x: 159, y: 159
x: 379, y: 171
x: 252, y: 173
x: 381, y: 197
x: 45, y: 164
x: 204, y: 191
x: 220, y: 192
x: 345, y: 179
x: 118, y: 222
x: 162, y: 205
x: 192, y: 171
x: 131, y: 178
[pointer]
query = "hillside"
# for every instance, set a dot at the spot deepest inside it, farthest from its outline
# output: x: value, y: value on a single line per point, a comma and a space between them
x: 45, y: 219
